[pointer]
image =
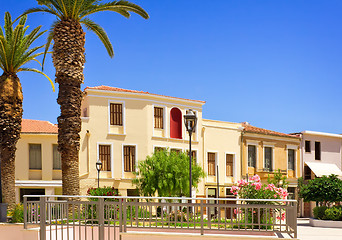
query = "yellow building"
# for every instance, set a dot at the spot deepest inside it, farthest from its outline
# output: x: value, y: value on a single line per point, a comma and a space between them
x: 38, y: 163
x: 121, y: 127
x: 265, y: 151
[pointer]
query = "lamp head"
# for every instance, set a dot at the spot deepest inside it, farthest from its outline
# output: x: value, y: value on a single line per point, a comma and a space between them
x: 98, y: 165
x: 190, y: 120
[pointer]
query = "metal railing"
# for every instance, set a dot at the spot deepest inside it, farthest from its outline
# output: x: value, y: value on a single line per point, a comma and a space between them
x: 106, y: 217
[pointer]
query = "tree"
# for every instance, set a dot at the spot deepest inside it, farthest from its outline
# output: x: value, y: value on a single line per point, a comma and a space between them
x: 279, y: 180
x: 68, y: 58
x: 324, y: 190
x: 166, y: 173
x: 15, y: 51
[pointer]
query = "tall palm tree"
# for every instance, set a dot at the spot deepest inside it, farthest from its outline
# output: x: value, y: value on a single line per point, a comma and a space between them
x: 15, y: 51
x: 68, y: 58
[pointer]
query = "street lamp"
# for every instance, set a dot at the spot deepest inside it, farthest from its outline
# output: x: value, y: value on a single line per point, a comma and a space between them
x: 190, y: 121
x: 98, y: 168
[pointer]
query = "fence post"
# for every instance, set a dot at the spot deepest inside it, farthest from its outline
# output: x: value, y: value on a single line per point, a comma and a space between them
x: 101, y: 217
x: 25, y: 212
x: 124, y: 213
x: 202, y: 210
x: 42, y: 218
x: 295, y: 219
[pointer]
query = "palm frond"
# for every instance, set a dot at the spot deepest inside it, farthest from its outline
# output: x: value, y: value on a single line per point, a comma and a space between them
x: 100, y: 32
x: 37, y: 71
x: 40, y: 9
x: 15, y: 45
x: 48, y: 42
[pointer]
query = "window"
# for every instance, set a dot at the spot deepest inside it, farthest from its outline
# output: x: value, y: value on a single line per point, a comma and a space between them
x: 129, y: 158
x: 268, y: 153
x: 291, y: 158
x: 193, y: 156
x: 307, y: 173
x: 156, y: 149
x: 176, y: 123
x: 105, y: 157
x: 251, y: 156
x: 35, y: 156
x: 317, y: 151
x: 292, y: 193
x: 307, y: 146
x: 116, y: 114
x: 229, y: 165
x: 31, y: 191
x: 175, y: 150
x: 57, y: 163
x: 158, y: 117
x: 211, y: 164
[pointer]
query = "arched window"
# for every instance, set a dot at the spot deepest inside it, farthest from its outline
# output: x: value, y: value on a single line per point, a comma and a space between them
x: 176, y: 123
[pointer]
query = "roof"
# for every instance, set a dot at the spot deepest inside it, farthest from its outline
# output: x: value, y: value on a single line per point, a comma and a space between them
x: 251, y: 129
x: 322, y: 134
x: 324, y: 169
x: 115, y: 89
x: 38, y: 126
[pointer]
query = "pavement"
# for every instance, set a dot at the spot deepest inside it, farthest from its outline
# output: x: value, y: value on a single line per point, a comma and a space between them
x: 306, y: 232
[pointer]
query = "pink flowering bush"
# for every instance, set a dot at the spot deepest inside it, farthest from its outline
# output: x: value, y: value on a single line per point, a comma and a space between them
x: 254, y: 189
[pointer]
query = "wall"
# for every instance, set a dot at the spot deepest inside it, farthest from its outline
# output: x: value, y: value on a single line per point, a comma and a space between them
x: 47, y: 178
x: 330, y: 149
x: 221, y: 138
x: 138, y: 130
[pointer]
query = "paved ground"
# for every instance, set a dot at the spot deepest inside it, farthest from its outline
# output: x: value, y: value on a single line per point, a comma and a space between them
x: 306, y: 232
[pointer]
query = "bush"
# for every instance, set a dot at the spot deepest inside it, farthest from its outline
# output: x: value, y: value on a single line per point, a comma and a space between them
x: 334, y: 213
x: 17, y: 214
x: 319, y: 212
x: 103, y: 191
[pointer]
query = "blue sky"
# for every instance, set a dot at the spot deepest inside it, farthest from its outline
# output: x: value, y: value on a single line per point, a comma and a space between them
x: 276, y: 64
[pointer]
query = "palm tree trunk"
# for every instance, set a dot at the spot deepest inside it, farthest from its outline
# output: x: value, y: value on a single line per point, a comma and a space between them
x: 68, y: 58
x: 11, y: 111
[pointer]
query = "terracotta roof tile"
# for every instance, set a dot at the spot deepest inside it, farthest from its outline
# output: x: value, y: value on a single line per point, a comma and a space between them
x: 107, y: 88
x: 251, y: 129
x: 37, y: 126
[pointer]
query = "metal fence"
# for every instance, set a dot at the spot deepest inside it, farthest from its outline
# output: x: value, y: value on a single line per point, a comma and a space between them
x: 84, y: 217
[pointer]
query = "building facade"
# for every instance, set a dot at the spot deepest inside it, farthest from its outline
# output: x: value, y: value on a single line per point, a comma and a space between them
x: 121, y: 127
x: 321, y: 155
x: 265, y: 152
x: 38, y: 163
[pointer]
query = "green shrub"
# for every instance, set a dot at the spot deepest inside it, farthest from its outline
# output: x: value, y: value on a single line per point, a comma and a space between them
x: 319, y: 212
x: 17, y: 214
x: 334, y: 213
x: 103, y: 191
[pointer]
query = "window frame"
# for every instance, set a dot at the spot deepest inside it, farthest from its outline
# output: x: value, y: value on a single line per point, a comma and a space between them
x: 307, y: 146
x: 135, y: 158
x: 111, y: 155
x: 215, y: 163
x: 256, y: 150
x: 162, y: 117
x: 294, y: 159
x: 233, y: 164
x: 55, y: 146
x: 41, y: 156
x: 108, y: 160
x: 112, y: 114
x: 272, y: 157
x: 318, y: 154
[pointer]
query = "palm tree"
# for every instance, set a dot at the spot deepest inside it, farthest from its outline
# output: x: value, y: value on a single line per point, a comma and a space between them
x: 68, y: 58
x: 15, y: 51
